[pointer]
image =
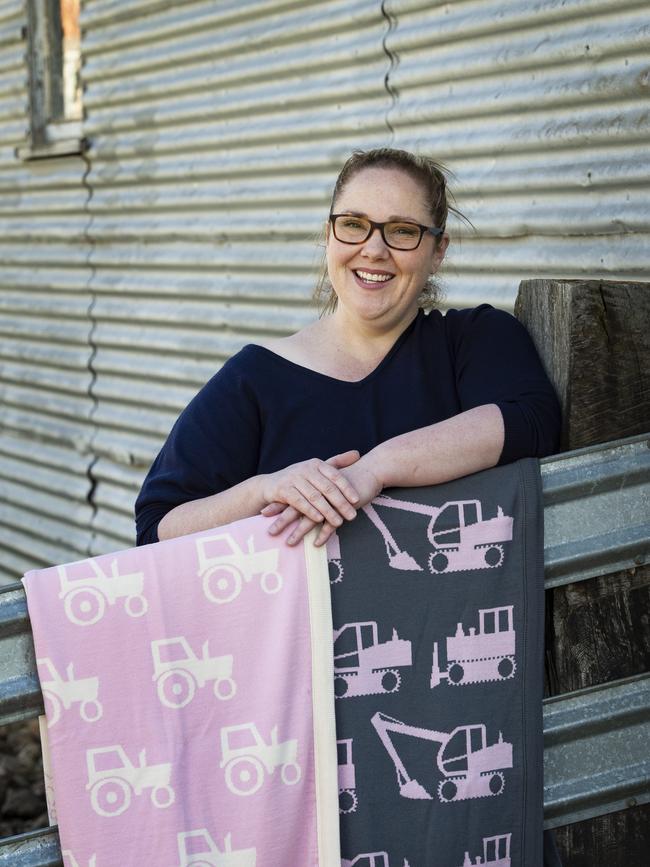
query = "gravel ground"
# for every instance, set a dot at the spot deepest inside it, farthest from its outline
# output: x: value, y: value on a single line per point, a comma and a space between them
x: 22, y: 788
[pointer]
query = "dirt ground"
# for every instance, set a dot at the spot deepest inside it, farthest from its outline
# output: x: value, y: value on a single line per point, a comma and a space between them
x: 22, y: 788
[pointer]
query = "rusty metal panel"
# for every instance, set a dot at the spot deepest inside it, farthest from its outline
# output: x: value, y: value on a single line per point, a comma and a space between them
x: 541, y: 111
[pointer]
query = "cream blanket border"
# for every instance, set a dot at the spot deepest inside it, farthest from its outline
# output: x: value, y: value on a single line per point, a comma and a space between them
x: 322, y: 672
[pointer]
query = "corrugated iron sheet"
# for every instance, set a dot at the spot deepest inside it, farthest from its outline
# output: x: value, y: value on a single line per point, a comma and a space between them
x: 215, y: 133
x: 44, y: 352
x: 35, y: 849
x: 596, y: 510
x: 596, y: 757
x: 542, y: 111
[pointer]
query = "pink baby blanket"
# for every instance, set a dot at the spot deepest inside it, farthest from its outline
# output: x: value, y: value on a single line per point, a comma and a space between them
x: 188, y: 692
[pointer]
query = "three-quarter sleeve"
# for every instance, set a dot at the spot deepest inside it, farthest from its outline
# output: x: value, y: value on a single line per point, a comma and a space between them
x: 496, y: 362
x: 213, y: 445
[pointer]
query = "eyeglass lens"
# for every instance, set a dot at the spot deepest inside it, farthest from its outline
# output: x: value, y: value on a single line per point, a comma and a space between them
x: 355, y: 230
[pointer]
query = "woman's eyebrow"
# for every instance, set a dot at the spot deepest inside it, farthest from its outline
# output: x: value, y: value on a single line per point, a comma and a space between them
x: 394, y: 218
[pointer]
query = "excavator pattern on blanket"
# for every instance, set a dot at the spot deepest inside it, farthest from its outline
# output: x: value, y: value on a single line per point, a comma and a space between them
x: 461, y: 539
x: 334, y: 563
x: 469, y: 766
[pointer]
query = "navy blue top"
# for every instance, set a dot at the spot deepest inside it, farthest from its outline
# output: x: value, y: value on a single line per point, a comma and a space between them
x: 262, y: 412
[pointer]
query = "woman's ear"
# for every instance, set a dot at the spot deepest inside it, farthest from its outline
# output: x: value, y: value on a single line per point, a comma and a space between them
x: 439, y: 252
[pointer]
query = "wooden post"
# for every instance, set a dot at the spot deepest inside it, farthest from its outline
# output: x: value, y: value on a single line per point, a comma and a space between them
x: 593, y: 337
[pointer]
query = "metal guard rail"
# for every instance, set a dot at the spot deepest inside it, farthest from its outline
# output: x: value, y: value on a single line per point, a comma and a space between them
x: 596, y: 756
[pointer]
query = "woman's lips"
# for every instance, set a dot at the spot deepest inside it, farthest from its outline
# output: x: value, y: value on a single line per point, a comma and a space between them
x: 372, y: 279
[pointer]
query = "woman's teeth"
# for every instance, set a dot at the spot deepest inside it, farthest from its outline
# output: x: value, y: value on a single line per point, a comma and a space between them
x: 373, y: 278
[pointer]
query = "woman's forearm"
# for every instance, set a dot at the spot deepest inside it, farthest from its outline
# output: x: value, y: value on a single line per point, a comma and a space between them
x: 314, y: 487
x: 241, y: 501
x: 458, y: 446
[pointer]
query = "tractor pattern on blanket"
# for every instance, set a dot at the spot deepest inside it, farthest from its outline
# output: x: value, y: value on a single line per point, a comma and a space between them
x: 196, y: 655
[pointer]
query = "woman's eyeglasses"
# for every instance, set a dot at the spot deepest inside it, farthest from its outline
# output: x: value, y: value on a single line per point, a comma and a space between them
x: 396, y: 234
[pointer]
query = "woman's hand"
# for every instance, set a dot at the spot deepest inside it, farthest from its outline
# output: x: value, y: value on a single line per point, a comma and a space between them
x: 363, y: 477
x: 315, y: 489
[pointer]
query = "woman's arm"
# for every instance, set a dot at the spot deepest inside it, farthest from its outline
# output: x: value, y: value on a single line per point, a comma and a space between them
x: 313, y: 488
x: 241, y: 501
x: 458, y: 446
x: 464, y: 444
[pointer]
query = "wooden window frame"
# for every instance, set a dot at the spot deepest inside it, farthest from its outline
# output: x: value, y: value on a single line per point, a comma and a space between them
x: 48, y: 135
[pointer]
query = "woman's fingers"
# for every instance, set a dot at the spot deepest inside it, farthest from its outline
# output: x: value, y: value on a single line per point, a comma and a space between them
x: 288, y: 516
x: 344, y: 459
x: 309, y: 493
x: 327, y: 496
x: 347, y: 496
x: 316, y: 489
x: 310, y: 504
x: 304, y: 526
x: 272, y: 509
x: 324, y: 534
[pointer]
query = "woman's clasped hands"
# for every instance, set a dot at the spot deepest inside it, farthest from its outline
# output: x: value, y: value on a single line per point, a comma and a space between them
x: 316, y: 492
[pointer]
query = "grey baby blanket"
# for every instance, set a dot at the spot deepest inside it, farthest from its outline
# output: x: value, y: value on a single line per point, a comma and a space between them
x: 438, y: 612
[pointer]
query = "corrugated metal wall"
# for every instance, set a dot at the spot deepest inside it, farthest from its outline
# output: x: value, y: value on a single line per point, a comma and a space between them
x: 44, y: 377
x: 541, y: 108
x: 216, y: 131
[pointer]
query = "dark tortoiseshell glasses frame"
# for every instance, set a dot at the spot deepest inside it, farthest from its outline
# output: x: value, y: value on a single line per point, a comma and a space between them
x: 373, y: 224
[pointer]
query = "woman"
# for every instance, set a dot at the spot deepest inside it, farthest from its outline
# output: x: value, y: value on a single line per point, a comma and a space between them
x: 311, y: 427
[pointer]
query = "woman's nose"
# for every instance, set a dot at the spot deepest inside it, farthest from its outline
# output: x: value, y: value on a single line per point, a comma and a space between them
x: 375, y: 246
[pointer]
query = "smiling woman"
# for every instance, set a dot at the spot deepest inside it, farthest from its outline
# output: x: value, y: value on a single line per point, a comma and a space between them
x: 309, y: 428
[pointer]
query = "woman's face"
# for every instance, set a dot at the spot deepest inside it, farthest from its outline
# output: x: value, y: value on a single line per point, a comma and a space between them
x: 373, y: 282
